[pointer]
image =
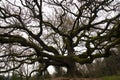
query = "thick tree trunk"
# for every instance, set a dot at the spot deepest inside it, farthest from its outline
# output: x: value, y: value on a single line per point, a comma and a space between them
x: 72, y: 71
x: 71, y: 68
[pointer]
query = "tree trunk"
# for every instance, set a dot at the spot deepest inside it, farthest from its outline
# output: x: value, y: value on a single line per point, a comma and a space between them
x: 72, y: 70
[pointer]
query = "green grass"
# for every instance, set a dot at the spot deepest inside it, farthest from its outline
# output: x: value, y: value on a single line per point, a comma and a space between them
x: 111, y: 78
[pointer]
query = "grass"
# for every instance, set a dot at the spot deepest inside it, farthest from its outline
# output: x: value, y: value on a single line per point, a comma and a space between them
x: 111, y: 78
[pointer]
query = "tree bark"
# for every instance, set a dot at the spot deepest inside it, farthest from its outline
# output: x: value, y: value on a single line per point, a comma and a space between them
x: 72, y: 70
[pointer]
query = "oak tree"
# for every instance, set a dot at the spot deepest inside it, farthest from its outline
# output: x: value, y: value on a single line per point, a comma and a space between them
x: 57, y: 32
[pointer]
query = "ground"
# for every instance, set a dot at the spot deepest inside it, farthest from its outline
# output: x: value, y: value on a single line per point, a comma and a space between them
x: 75, y: 78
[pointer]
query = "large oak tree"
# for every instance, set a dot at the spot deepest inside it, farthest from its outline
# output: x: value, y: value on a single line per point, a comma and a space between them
x: 57, y: 32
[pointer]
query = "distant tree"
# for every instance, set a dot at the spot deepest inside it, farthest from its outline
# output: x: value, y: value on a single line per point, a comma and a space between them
x: 57, y: 32
x: 111, y: 65
x: 2, y: 77
x: 104, y: 67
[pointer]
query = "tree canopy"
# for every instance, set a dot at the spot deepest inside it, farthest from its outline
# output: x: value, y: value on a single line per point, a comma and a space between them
x: 57, y: 32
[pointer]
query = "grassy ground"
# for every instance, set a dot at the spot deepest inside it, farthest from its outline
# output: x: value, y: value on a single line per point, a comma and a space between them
x: 103, y: 78
x: 111, y: 78
x: 74, y: 79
